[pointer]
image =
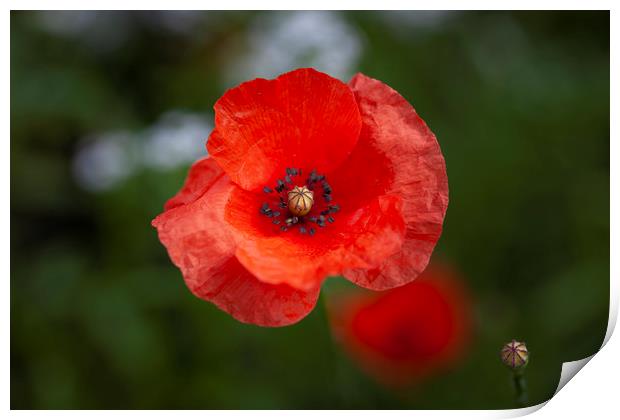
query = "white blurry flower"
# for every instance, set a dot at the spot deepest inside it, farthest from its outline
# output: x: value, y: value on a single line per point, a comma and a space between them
x: 103, y: 161
x: 278, y: 42
x: 104, y: 31
x: 176, y: 139
x: 408, y: 22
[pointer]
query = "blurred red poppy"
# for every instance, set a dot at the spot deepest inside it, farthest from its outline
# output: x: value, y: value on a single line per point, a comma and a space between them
x: 307, y: 177
x: 408, y: 333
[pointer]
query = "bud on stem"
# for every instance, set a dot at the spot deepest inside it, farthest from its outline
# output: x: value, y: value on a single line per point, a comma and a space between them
x: 516, y: 356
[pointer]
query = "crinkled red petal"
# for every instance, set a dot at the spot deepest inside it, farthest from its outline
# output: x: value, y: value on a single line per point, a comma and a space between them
x: 202, y: 175
x: 199, y: 242
x: 303, y: 119
x: 361, y: 237
x: 396, y: 154
x: 405, y: 334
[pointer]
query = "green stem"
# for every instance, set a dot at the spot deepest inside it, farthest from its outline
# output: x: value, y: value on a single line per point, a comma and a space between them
x: 520, y: 389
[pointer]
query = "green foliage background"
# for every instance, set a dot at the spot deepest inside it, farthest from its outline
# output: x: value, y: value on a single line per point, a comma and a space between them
x: 101, y: 319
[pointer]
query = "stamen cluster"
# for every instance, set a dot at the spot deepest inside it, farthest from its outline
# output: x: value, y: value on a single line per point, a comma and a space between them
x: 322, y: 211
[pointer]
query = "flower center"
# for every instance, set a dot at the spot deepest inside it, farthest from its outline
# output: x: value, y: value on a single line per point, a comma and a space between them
x: 291, y: 206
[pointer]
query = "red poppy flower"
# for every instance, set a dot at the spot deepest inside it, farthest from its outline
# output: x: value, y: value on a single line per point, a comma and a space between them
x: 370, y: 200
x: 405, y: 334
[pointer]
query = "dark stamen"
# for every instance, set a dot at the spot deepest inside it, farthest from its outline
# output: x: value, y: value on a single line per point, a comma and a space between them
x: 276, y: 222
x: 326, y: 187
x: 312, y: 179
x: 331, y: 219
x: 276, y: 213
x: 283, y: 228
x: 302, y: 230
x: 265, y: 209
x: 311, y: 231
x: 267, y: 190
x: 292, y: 220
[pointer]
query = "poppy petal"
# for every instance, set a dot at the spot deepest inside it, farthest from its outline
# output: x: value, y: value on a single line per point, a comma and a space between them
x: 303, y: 119
x: 405, y: 334
x: 199, y: 243
x: 361, y: 238
x: 396, y: 154
x: 202, y: 175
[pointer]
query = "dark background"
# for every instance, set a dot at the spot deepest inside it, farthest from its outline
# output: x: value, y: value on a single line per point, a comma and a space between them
x: 108, y: 109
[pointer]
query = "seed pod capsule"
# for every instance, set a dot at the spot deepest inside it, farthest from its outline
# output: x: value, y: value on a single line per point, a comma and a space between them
x: 515, y: 355
x: 300, y: 200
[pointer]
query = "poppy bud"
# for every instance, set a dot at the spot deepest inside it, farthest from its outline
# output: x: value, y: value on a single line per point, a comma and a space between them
x: 300, y: 200
x: 515, y: 355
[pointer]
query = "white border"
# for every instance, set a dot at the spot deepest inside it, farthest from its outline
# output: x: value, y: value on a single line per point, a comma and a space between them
x: 597, y: 388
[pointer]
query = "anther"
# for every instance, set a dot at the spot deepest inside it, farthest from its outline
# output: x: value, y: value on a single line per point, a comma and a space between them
x: 276, y: 222
x: 279, y: 185
x: 326, y: 187
x: 265, y: 209
x: 311, y: 231
x: 292, y: 220
x: 331, y: 219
